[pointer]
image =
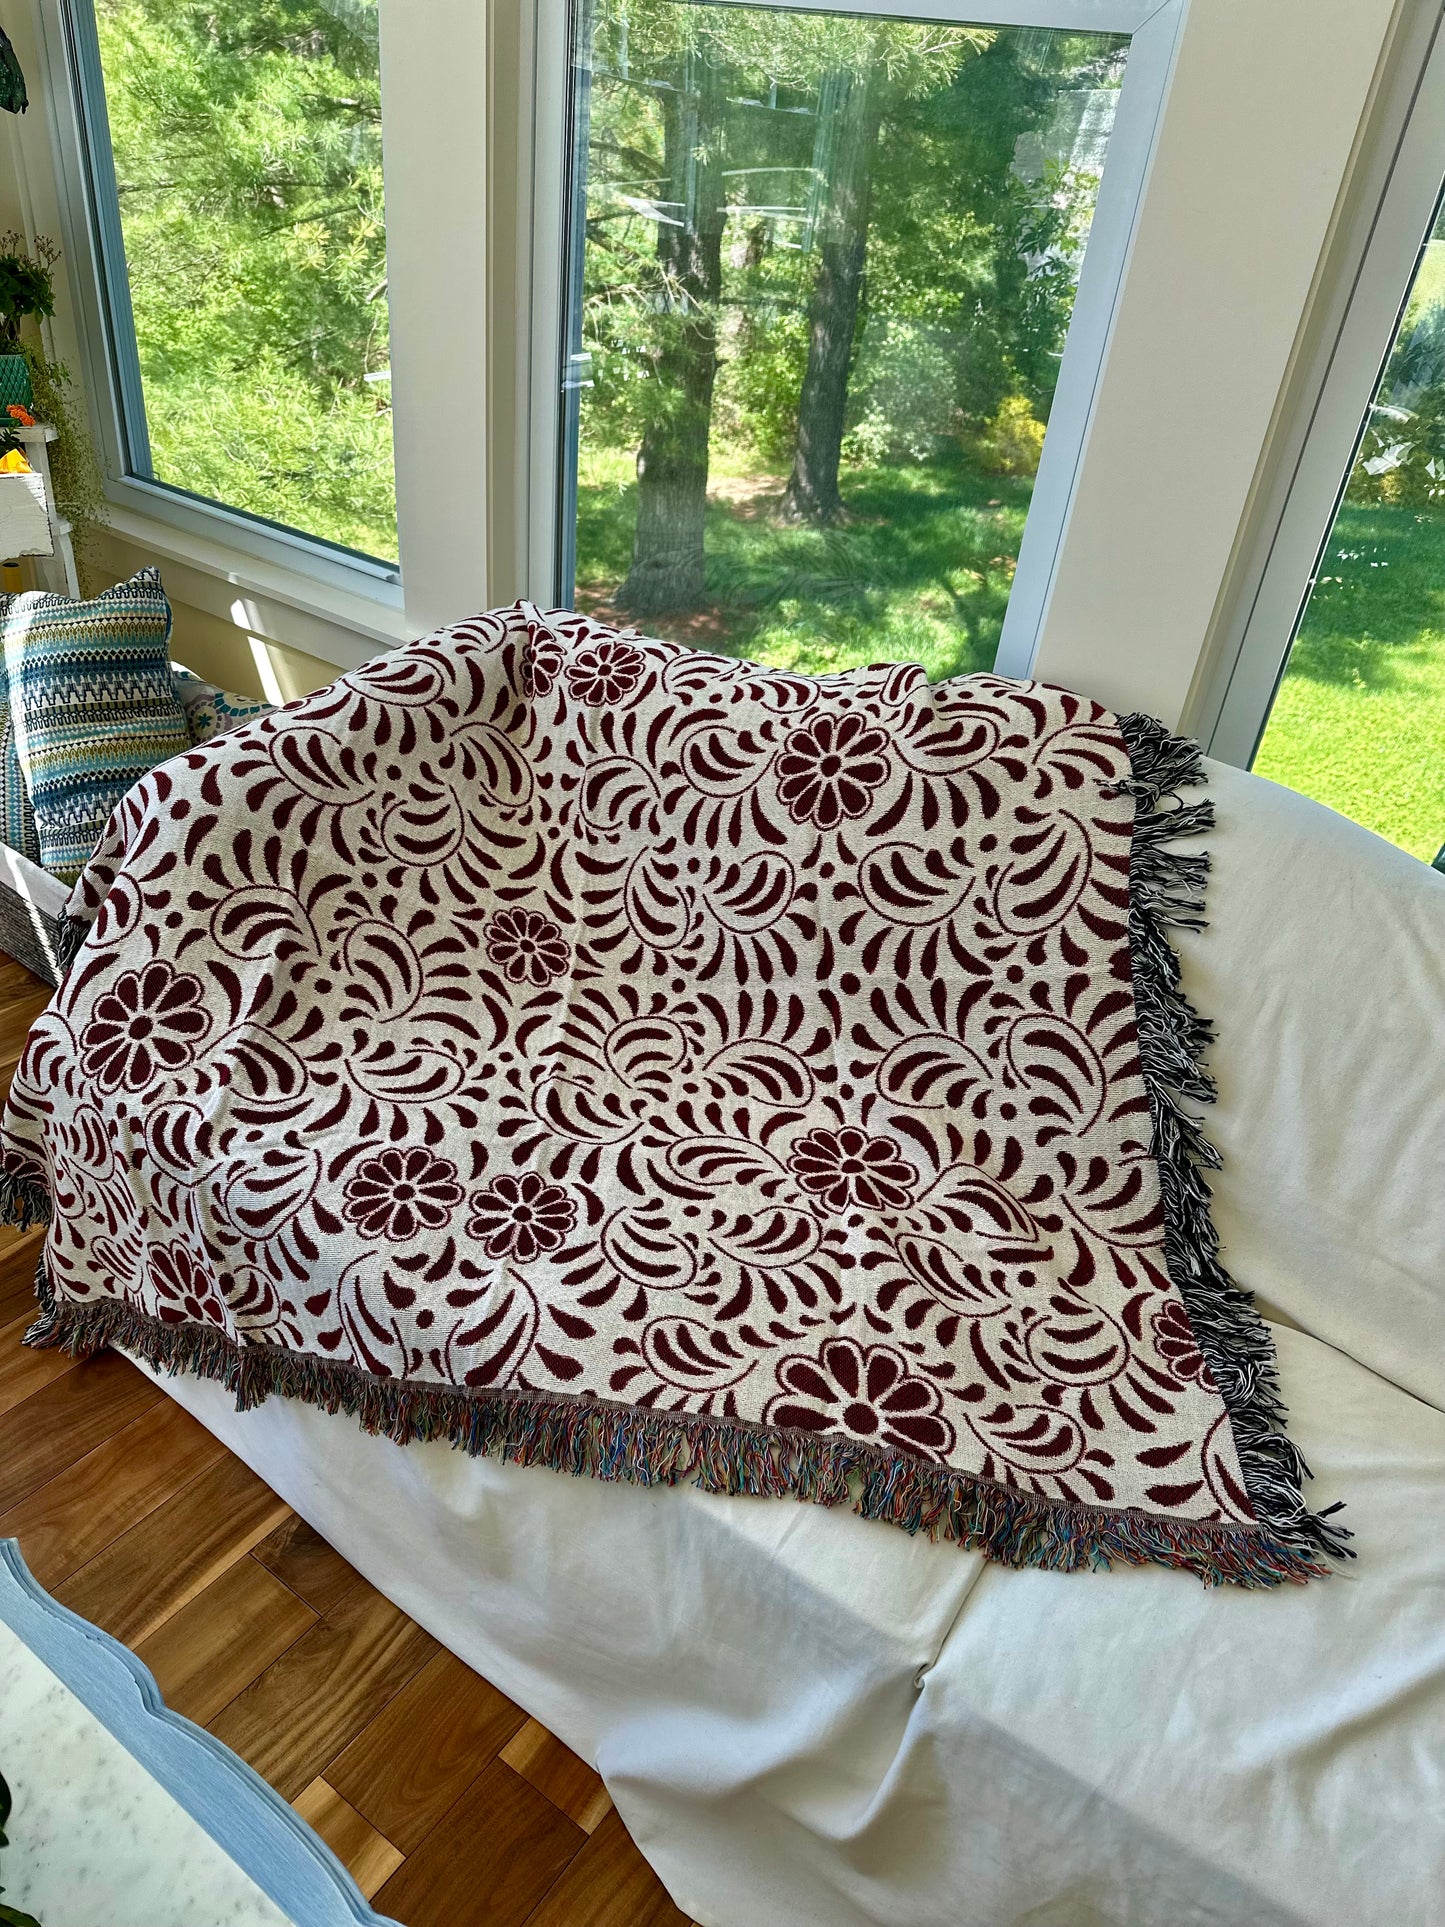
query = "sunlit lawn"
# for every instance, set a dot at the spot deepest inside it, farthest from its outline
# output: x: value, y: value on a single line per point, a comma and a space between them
x: 1360, y: 718
x: 919, y: 571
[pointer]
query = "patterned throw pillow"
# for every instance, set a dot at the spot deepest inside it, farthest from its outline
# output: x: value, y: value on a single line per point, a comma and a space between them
x: 17, y: 819
x: 93, y: 706
x: 211, y: 711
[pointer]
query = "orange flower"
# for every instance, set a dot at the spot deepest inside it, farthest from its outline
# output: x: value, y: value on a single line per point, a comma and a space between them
x: 21, y: 415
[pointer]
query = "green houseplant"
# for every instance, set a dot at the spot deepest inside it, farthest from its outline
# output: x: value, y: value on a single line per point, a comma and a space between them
x: 10, y: 1916
x: 29, y: 377
x: 26, y: 289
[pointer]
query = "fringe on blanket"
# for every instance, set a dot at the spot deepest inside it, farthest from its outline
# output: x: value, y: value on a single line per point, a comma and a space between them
x: 1167, y: 888
x: 727, y: 1456
x: 646, y: 1447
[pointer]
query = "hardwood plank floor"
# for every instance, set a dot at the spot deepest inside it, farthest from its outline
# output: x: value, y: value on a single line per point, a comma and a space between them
x: 554, y: 1769
x: 448, y: 1804
x: 68, y: 1522
x: 175, y: 1552
x: 530, y: 1842
x: 208, y: 1652
x: 420, y: 1754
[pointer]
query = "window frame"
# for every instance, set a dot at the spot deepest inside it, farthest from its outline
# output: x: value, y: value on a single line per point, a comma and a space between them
x: 545, y: 135
x: 94, y: 245
x: 1374, y: 277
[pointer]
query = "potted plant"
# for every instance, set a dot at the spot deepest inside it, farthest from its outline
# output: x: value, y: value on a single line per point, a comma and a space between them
x: 26, y: 289
x: 11, y: 1916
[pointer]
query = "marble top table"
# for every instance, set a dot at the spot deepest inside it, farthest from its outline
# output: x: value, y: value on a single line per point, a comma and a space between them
x: 127, y: 1815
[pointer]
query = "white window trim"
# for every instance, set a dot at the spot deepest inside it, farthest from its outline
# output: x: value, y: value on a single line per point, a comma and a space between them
x: 1371, y: 278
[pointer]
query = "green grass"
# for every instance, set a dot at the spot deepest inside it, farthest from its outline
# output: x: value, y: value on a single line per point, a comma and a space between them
x: 1359, y: 722
x: 918, y: 572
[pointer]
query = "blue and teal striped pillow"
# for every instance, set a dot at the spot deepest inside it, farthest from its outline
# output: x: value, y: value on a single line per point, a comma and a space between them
x: 92, y: 705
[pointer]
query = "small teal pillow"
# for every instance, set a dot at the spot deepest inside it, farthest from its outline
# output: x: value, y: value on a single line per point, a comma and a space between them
x: 213, y: 711
x: 92, y: 704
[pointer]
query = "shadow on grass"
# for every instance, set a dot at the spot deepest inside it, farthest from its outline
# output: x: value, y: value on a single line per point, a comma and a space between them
x: 1379, y: 601
x: 919, y: 569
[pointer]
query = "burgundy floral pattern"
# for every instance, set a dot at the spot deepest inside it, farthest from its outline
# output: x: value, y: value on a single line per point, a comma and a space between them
x: 847, y: 1167
x: 147, y: 1025
x: 542, y: 663
x: 185, y: 1291
x: 830, y: 770
x: 521, y: 1217
x: 865, y: 1391
x: 1177, y: 1346
x: 400, y: 1194
x: 527, y: 948
x: 605, y: 673
x: 559, y: 1013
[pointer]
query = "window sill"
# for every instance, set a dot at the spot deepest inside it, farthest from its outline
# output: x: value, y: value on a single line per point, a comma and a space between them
x: 263, y: 599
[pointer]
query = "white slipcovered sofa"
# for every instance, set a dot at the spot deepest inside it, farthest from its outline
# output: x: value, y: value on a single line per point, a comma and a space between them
x: 809, y: 1720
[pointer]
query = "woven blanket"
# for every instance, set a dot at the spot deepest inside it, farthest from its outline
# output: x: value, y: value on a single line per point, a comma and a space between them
x: 654, y: 1066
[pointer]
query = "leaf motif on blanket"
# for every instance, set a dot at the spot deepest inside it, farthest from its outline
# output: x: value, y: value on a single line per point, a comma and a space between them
x: 686, y: 1352
x: 720, y: 761
x: 946, y: 1273
x: 120, y: 913
x: 1030, y: 1438
x: 386, y: 974
x: 714, y: 1162
x: 1075, y: 1342
x: 1048, y: 869
x: 258, y: 1194
x: 646, y: 1050
x: 1060, y: 1068
x: 645, y: 1249
x: 762, y: 1072
x: 771, y: 1240
x: 255, y: 921
x: 407, y: 679
x: 318, y: 765
x: 618, y: 793
x: 426, y: 826
x: 659, y: 904
x: 489, y: 763
x: 751, y: 896
x: 264, y: 1075
x: 410, y: 1074
x: 907, y: 884
x: 931, y: 1072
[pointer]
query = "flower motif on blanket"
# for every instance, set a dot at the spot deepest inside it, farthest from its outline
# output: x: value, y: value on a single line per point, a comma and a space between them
x: 594, y: 1033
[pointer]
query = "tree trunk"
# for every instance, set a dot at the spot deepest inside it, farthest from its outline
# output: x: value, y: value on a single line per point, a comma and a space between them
x: 850, y: 117
x: 667, y: 547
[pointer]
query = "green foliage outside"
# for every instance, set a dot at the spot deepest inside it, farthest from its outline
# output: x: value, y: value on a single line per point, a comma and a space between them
x: 973, y: 246
x: 247, y: 143
x: 920, y: 572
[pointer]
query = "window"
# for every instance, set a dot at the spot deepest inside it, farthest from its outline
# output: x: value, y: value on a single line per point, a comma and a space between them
x: 821, y: 272
x: 236, y: 182
x: 1052, y: 236
x: 1358, y: 721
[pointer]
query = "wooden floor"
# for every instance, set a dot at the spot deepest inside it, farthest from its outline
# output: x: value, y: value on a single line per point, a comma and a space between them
x: 449, y: 1805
